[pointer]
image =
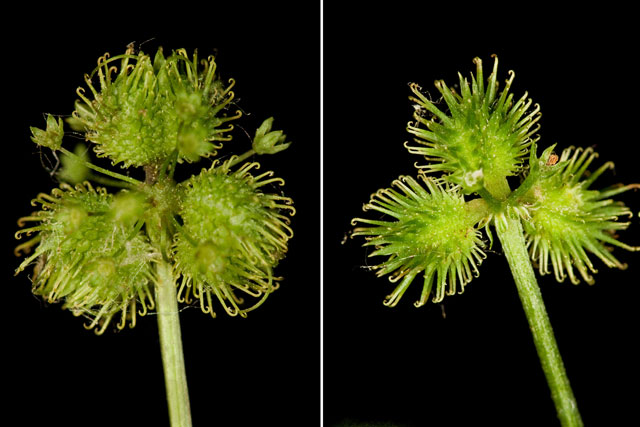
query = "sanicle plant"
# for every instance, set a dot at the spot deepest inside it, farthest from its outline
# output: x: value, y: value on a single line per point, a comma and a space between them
x: 554, y: 218
x: 147, y: 244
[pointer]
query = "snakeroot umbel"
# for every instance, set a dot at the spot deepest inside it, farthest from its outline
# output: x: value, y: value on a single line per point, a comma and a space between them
x: 429, y: 228
x: 113, y: 255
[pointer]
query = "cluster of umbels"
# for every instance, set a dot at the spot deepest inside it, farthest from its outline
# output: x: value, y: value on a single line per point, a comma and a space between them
x: 433, y: 227
x: 222, y: 231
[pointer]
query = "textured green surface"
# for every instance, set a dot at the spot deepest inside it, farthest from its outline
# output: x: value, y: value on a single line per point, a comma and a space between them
x: 433, y: 234
x: 96, y: 263
x: 232, y: 236
x: 484, y: 136
x: 145, y: 106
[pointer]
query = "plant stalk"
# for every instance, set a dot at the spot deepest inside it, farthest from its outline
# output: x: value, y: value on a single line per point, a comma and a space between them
x: 107, y: 172
x: 513, y: 244
x: 171, y: 348
x: 242, y: 157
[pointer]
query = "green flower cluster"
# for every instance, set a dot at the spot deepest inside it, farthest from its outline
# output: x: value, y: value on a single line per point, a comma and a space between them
x: 142, y: 111
x: 433, y: 228
x: 433, y: 234
x: 484, y: 137
x: 232, y: 235
x: 89, y: 256
x: 219, y: 232
x: 567, y: 220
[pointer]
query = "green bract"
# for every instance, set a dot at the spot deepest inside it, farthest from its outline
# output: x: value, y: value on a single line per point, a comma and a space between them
x: 147, y: 109
x: 483, y: 138
x: 433, y: 234
x: 73, y: 169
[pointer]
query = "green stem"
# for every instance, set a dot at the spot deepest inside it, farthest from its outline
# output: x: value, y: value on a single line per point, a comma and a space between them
x: 492, y: 202
x: 102, y: 180
x: 99, y: 169
x: 242, y: 157
x: 171, y: 347
x: 515, y: 250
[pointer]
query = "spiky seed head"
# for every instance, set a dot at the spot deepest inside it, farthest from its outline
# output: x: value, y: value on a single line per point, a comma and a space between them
x: 568, y: 220
x: 430, y: 231
x: 146, y: 109
x: 232, y: 236
x: 481, y: 139
x: 93, y: 276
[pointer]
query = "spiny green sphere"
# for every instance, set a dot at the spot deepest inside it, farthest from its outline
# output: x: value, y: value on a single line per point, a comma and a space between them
x: 147, y: 109
x: 96, y: 277
x: 232, y: 235
x: 568, y: 220
x: 433, y: 233
x: 482, y: 139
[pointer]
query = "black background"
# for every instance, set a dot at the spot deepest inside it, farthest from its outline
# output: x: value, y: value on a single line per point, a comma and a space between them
x: 263, y: 370
x: 478, y: 366
x: 404, y: 366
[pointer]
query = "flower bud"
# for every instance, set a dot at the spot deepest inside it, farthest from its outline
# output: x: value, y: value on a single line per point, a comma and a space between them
x: 52, y: 136
x: 267, y: 141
